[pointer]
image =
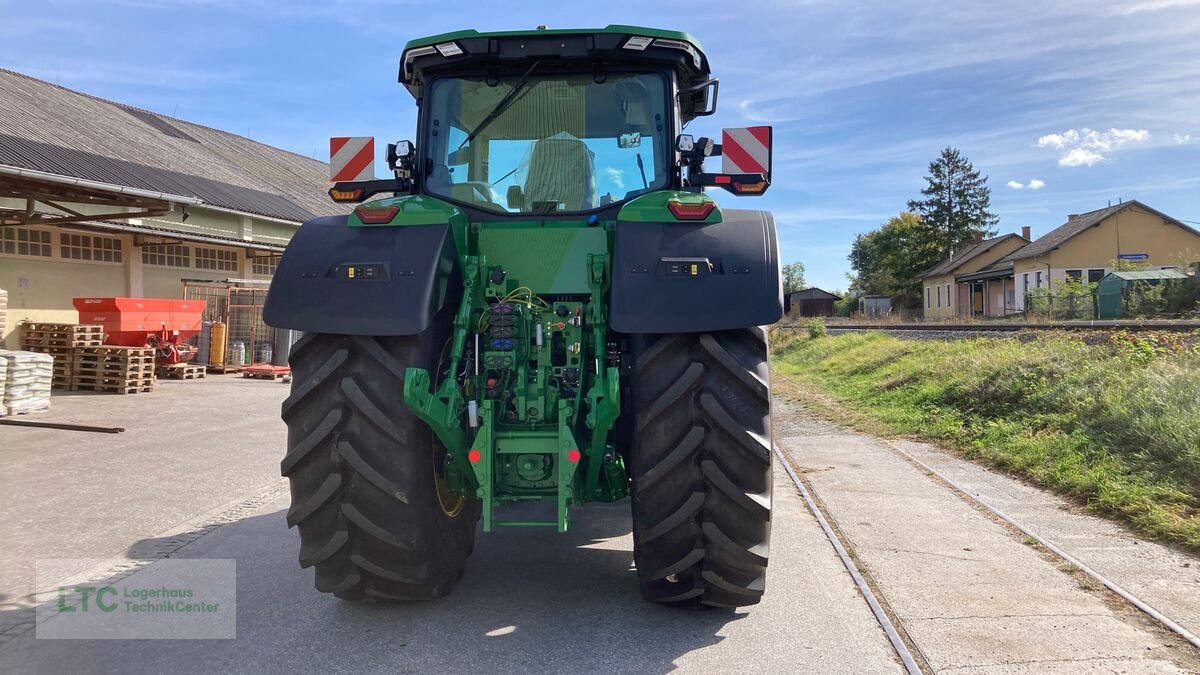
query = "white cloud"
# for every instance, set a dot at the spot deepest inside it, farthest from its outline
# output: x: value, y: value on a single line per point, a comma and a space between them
x: 615, y: 176
x: 1155, y: 5
x: 1015, y: 185
x: 1182, y: 138
x: 1036, y: 184
x: 1085, y: 146
x: 1080, y: 157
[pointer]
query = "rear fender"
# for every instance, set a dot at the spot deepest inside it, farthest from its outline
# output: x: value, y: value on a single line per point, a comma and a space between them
x: 681, y: 277
x: 363, y: 280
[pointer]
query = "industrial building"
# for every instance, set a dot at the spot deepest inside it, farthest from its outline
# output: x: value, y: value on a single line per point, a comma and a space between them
x: 995, y: 277
x: 98, y: 198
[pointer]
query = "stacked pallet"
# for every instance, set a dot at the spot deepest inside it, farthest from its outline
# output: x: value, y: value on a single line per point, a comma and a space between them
x: 3, y: 313
x: 60, y: 341
x: 181, y: 371
x: 26, y: 381
x: 113, y: 369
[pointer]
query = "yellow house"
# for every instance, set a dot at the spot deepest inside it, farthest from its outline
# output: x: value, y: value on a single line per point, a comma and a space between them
x: 1086, y: 246
x: 947, y: 295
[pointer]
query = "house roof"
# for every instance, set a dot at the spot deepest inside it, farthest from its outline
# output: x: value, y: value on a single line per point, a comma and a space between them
x: 1134, y: 275
x: 53, y: 129
x: 973, y: 251
x: 813, y: 293
x: 1076, y: 224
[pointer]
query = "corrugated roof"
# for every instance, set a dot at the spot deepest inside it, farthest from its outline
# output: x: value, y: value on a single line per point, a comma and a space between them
x: 1134, y: 275
x: 54, y: 129
x: 1078, y: 223
x: 973, y: 251
x: 813, y: 293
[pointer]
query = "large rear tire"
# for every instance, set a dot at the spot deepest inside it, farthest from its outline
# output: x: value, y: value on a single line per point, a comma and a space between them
x: 701, y: 466
x: 373, y: 516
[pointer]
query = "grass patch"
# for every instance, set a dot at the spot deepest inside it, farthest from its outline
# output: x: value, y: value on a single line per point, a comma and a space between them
x: 1115, y: 426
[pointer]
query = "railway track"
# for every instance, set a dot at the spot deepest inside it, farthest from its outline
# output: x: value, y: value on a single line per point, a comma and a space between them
x: 1009, y: 327
x: 892, y: 627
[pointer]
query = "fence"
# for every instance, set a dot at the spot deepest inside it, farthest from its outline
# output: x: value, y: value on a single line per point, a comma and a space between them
x: 1078, y: 305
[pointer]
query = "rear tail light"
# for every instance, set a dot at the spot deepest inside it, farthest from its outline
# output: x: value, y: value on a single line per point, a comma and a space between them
x: 683, y: 211
x: 376, y: 215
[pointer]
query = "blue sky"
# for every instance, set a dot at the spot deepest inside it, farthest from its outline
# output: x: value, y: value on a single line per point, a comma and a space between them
x: 1094, y: 100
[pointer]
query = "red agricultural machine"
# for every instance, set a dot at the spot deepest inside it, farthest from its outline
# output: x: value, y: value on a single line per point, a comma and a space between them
x: 160, y: 323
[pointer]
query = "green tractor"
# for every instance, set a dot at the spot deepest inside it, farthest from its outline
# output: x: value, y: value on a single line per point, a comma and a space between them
x: 547, y: 309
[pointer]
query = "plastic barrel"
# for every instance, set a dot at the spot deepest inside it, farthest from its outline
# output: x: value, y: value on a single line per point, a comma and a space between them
x: 216, y: 353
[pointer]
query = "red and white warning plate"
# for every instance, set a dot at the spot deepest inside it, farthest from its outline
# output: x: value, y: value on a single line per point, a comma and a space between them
x: 351, y: 158
x: 746, y: 150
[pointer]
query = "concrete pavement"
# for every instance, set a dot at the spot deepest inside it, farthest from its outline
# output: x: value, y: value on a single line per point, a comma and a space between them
x: 191, y: 479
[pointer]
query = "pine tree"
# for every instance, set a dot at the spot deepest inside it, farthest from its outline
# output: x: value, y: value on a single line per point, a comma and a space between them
x: 955, y: 203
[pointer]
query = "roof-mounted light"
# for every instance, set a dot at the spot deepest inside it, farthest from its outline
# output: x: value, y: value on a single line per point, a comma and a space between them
x: 676, y: 44
x: 449, y: 49
x: 637, y: 43
x: 414, y: 54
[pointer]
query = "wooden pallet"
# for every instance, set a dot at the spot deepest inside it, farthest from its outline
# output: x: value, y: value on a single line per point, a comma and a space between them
x: 50, y: 336
x: 181, y: 371
x: 266, y: 372
x: 221, y: 370
x: 113, y: 351
x: 114, y: 388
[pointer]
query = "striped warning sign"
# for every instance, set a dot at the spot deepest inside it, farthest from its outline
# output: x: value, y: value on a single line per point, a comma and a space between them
x: 352, y: 158
x: 746, y: 150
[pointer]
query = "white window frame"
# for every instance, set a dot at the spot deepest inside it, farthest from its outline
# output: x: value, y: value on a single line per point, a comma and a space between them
x: 260, y: 262
x: 46, y: 239
x: 88, y: 247
x: 215, y: 259
x: 167, y: 253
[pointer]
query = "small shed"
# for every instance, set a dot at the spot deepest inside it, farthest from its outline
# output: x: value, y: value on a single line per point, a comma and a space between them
x: 875, y: 305
x: 811, y: 302
x: 1112, y: 292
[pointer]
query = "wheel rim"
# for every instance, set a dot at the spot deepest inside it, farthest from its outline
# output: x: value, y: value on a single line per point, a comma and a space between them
x: 451, y: 505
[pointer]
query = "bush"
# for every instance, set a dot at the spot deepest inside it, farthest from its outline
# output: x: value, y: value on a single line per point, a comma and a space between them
x: 816, y: 329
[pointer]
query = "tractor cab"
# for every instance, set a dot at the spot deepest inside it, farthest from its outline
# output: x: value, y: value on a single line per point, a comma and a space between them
x: 559, y: 122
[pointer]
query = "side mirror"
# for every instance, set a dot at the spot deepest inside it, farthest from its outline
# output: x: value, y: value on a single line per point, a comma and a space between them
x: 700, y: 100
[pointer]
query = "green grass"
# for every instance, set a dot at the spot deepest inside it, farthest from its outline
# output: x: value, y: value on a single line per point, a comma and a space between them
x: 1114, y: 425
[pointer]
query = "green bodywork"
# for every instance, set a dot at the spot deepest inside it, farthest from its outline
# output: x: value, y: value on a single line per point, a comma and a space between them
x: 544, y: 425
x: 527, y: 393
x: 614, y: 29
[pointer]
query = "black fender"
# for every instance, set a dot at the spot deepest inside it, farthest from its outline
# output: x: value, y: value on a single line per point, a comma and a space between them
x: 682, y: 277
x: 363, y: 280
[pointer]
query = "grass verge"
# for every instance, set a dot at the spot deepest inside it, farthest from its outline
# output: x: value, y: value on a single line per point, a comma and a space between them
x: 1114, y: 425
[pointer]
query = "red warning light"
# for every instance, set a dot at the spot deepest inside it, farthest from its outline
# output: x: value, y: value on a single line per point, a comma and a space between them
x: 474, y: 456
x: 573, y: 456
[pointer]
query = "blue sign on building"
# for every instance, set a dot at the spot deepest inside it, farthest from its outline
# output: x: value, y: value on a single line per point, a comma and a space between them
x: 1134, y: 256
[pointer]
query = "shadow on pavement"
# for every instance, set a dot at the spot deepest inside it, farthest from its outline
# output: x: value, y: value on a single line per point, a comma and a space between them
x: 531, y: 600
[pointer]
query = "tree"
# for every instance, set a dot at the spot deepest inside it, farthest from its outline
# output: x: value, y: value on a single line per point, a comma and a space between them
x: 793, y: 277
x: 955, y: 203
x: 890, y: 260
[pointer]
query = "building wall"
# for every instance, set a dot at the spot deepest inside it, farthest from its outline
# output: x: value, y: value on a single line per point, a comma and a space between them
x: 958, y: 302
x: 41, y: 287
x: 1131, y: 231
x: 940, y: 297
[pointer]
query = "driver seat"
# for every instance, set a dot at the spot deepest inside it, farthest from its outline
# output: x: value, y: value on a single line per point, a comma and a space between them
x: 562, y: 172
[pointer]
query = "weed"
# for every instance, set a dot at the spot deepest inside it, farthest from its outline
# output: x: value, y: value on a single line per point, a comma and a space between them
x: 1115, y: 425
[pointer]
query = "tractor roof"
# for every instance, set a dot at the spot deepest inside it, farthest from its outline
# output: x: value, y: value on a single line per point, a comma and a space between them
x: 471, y: 50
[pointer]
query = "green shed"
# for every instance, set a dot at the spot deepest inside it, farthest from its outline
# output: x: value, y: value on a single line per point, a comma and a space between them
x: 1113, y: 290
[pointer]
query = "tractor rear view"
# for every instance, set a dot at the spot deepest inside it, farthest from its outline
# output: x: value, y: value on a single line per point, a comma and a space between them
x: 547, y: 308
